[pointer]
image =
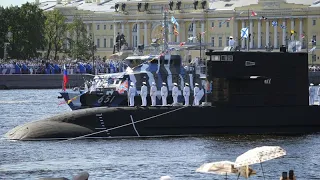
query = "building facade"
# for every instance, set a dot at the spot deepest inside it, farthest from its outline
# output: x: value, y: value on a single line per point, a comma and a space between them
x: 269, y: 22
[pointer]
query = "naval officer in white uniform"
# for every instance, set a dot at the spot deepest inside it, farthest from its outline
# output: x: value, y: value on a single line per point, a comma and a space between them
x: 143, y: 94
x: 196, y: 95
x: 311, y: 94
x: 164, y: 94
x: 175, y: 93
x: 132, y: 93
x: 153, y: 94
x: 231, y: 41
x: 186, y: 94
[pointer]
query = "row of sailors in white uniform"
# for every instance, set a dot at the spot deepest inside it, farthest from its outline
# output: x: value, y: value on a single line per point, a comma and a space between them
x: 312, y: 93
x: 164, y: 94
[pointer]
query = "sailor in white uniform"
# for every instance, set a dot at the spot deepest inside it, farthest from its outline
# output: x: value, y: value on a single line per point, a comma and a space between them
x: 186, y: 94
x: 164, y: 94
x: 195, y: 94
x: 231, y: 41
x: 132, y: 92
x: 175, y: 93
x: 143, y: 94
x: 311, y: 94
x: 318, y: 93
x: 153, y: 94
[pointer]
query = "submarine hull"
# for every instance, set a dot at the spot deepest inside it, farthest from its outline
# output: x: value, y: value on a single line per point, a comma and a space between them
x: 171, y: 121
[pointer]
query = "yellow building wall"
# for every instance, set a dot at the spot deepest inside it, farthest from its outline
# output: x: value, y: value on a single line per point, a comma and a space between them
x: 284, y: 13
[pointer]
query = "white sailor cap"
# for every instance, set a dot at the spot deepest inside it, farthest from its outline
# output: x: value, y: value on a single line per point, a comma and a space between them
x: 196, y: 84
x: 175, y: 84
x: 153, y: 83
x: 144, y: 83
x: 131, y: 83
x: 230, y: 37
x: 164, y: 83
x: 311, y: 84
x: 187, y: 84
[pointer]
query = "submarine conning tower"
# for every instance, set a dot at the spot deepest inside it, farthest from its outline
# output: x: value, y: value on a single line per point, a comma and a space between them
x: 258, y: 78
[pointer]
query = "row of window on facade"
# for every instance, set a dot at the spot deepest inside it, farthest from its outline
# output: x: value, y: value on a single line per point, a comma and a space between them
x: 134, y: 29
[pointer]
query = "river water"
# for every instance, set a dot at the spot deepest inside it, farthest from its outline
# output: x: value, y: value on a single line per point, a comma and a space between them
x: 134, y: 159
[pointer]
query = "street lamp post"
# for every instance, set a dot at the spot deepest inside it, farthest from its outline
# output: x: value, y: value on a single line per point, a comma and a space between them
x: 5, y: 50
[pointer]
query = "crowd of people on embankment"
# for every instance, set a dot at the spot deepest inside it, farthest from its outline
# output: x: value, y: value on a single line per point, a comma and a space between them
x: 40, y: 66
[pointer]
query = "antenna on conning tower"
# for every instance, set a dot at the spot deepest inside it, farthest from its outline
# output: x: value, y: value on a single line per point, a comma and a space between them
x: 165, y: 28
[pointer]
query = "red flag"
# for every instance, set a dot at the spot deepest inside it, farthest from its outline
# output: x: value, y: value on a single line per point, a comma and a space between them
x: 253, y: 13
x: 65, y: 77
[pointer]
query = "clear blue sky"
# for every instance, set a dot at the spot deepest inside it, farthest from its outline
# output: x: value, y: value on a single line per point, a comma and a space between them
x: 6, y: 3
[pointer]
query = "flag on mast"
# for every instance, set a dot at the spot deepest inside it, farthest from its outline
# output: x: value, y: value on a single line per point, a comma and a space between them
x: 65, y: 78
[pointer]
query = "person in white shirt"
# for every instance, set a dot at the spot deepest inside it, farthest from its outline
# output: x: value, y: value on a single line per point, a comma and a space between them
x: 132, y: 93
x: 164, y: 94
x: 186, y: 94
x: 143, y: 94
x: 153, y: 93
x: 231, y: 41
x: 311, y: 94
x: 175, y: 93
x: 195, y: 94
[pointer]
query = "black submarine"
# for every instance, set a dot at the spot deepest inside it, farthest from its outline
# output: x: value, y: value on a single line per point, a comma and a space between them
x: 252, y: 93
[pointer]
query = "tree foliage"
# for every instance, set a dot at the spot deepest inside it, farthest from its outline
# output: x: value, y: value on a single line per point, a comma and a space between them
x: 55, y: 32
x: 80, y: 42
x: 26, y: 26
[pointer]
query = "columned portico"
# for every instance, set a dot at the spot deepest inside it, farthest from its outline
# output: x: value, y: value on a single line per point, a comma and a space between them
x: 292, y: 28
x: 194, y: 31
x: 115, y: 29
x: 300, y: 29
x: 138, y: 33
x: 170, y: 33
x: 267, y: 33
x: 179, y: 30
x: 251, y: 32
x: 145, y: 33
x: 122, y: 27
x: 284, y: 32
x: 275, y: 36
x: 128, y: 37
x: 202, y: 31
x: 235, y: 34
x: 259, y: 33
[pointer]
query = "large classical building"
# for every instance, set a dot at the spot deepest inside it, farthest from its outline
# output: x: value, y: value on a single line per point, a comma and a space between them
x: 269, y: 22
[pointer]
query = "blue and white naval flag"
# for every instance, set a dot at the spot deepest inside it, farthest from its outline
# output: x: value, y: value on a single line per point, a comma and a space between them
x: 282, y: 26
x: 244, y: 33
x: 174, y: 21
x: 274, y: 23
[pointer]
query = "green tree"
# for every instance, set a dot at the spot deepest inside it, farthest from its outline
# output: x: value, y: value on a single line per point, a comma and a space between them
x: 80, y: 43
x: 55, y: 32
x: 26, y: 25
x: 3, y: 30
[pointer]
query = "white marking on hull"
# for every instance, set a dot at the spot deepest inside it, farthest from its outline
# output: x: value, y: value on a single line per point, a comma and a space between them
x: 134, y: 127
